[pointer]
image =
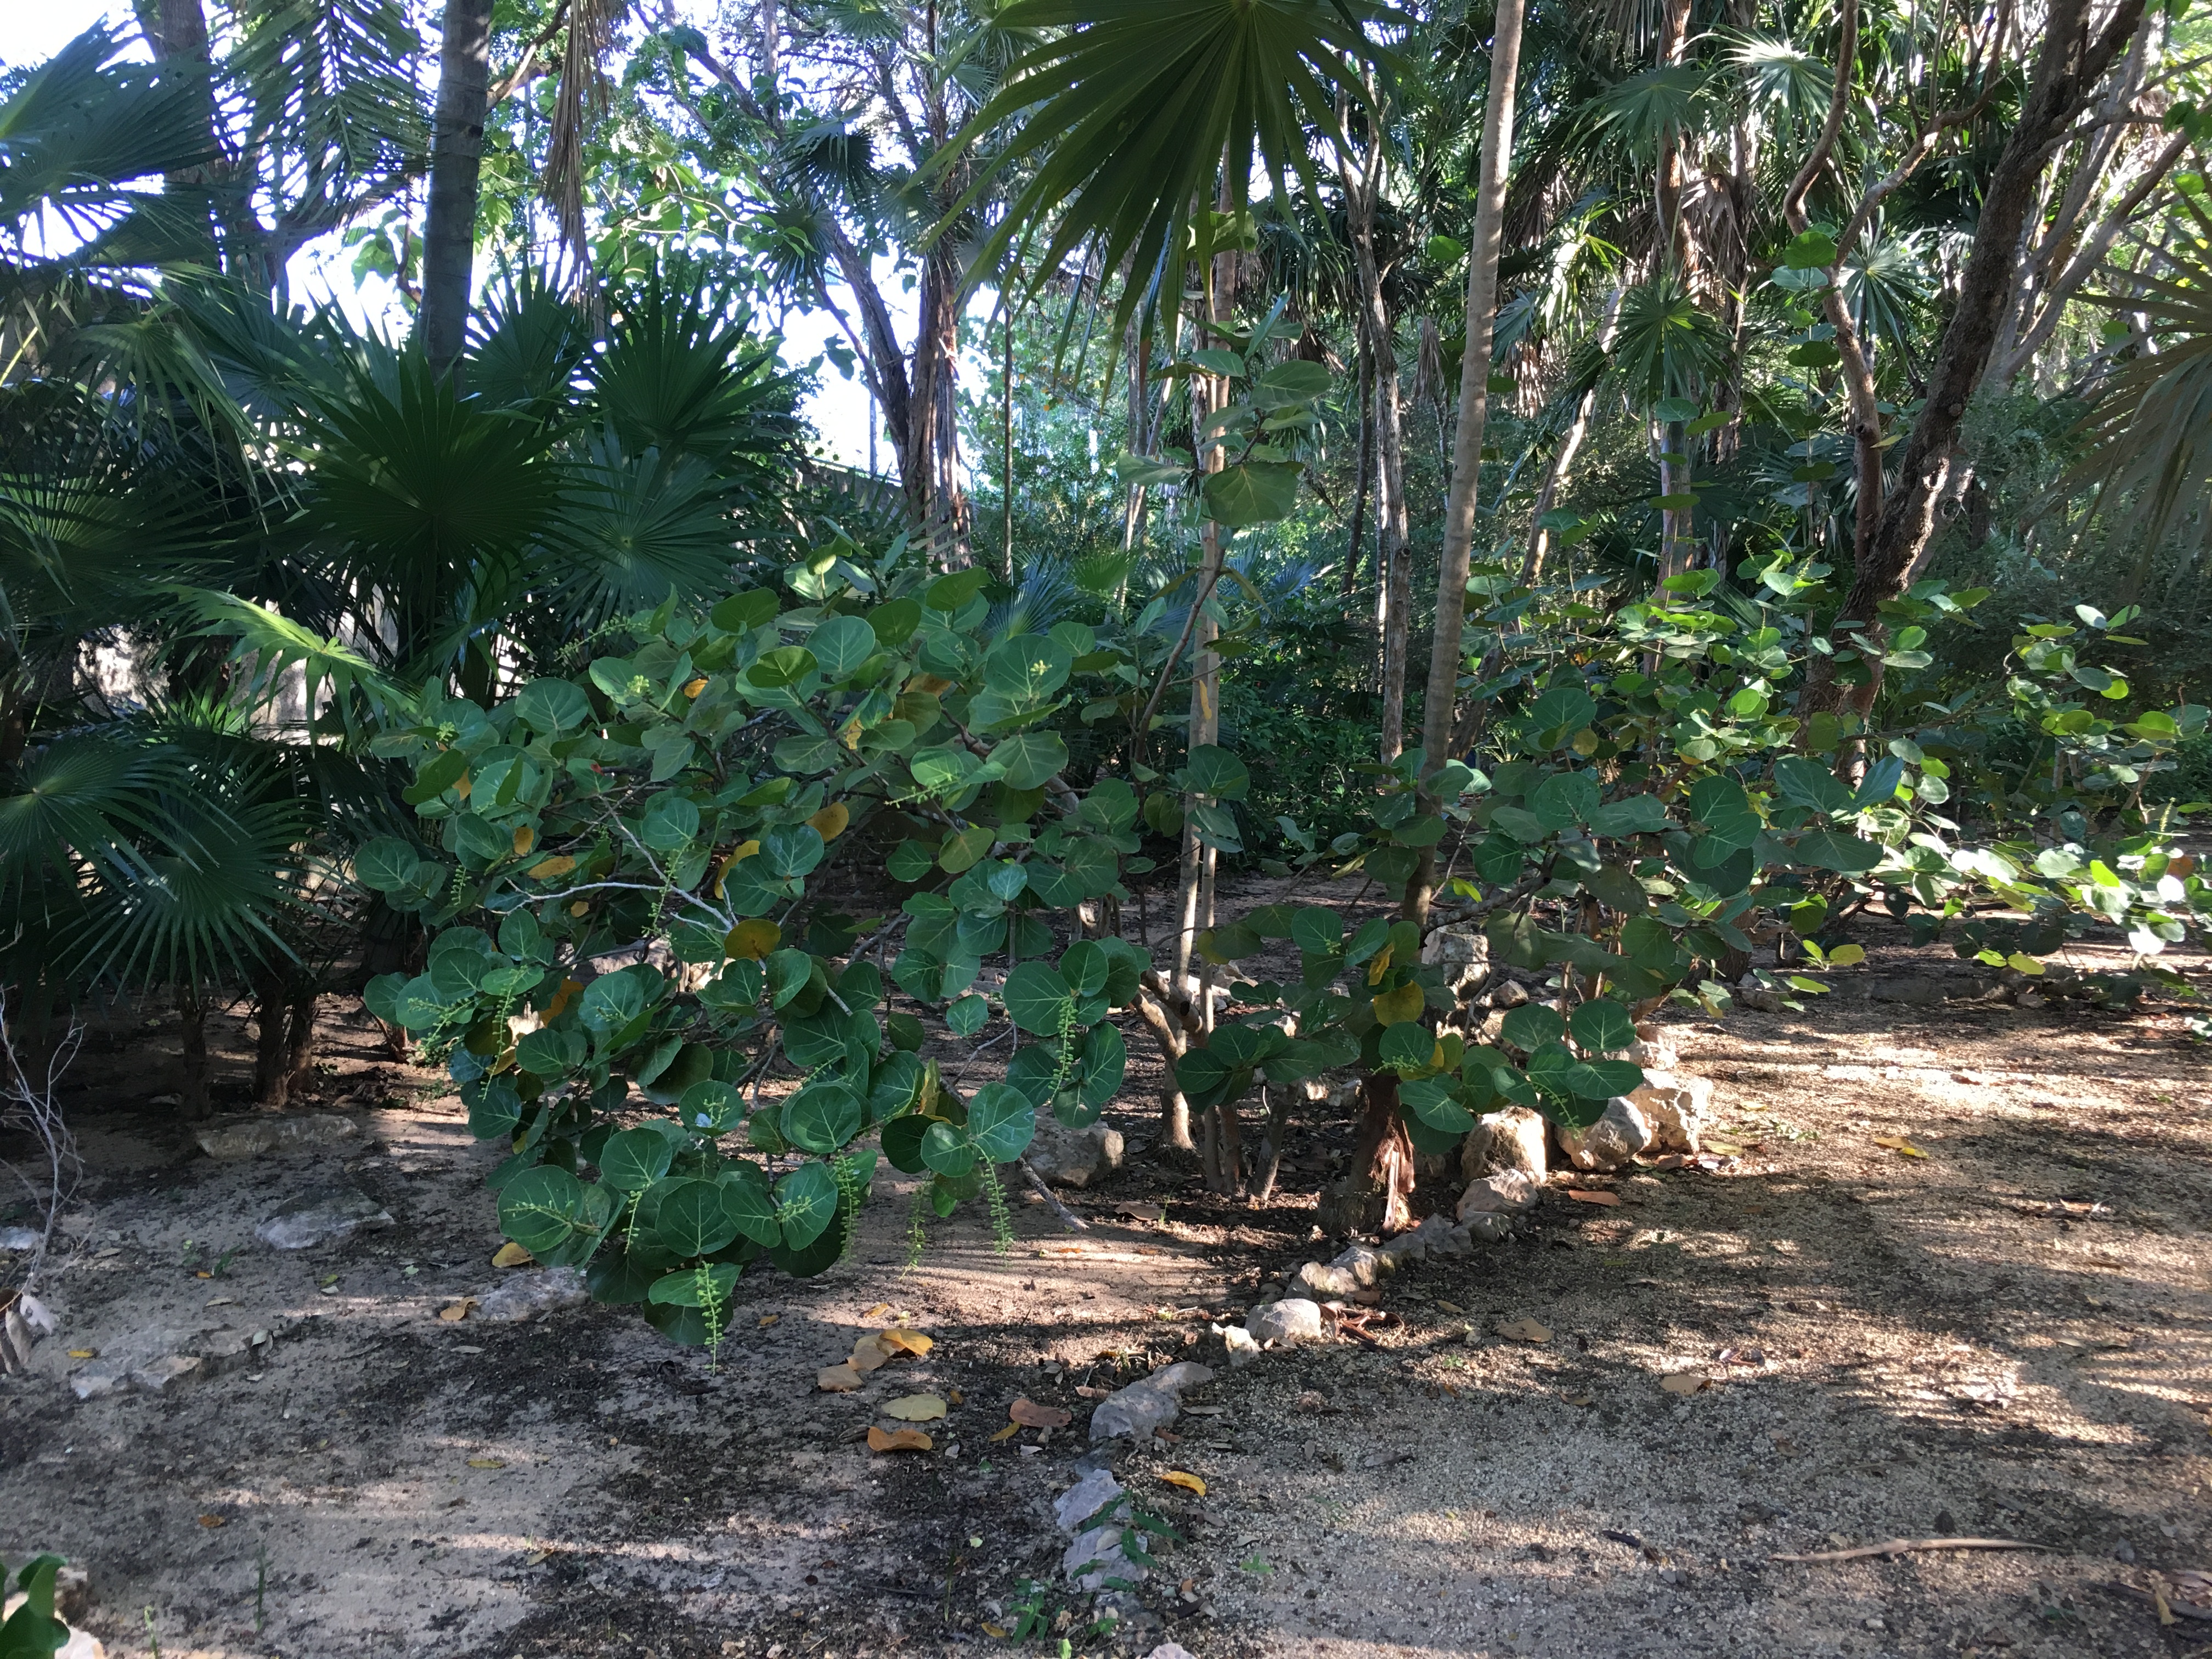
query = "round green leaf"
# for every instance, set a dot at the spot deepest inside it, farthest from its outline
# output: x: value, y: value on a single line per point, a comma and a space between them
x: 633, y: 1159
x: 540, y: 1207
x: 840, y: 645
x: 549, y: 706
x: 1001, y: 1122
x: 1031, y: 758
x: 1532, y: 1025
x: 1601, y: 1027
x: 946, y: 1151
x: 749, y: 1205
x: 690, y: 1219
x: 710, y: 1108
x: 786, y: 665
x: 1037, y: 999
x: 822, y: 1117
x: 691, y: 1287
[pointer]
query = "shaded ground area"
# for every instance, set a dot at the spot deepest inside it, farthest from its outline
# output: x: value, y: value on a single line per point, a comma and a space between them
x: 2010, y: 1336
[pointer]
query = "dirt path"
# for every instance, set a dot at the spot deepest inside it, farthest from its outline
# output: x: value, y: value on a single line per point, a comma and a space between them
x: 2010, y: 1336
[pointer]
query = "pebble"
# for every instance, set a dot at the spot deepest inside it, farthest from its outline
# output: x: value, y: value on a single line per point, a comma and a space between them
x: 1074, y: 1157
x: 1505, y: 1193
x: 1611, y: 1141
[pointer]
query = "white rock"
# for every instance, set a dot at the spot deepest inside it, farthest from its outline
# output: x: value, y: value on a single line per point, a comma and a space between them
x: 1325, y: 1281
x: 1150, y: 1404
x: 251, y: 1137
x: 1363, y: 1264
x: 1611, y: 1141
x: 1405, y: 1248
x: 162, y: 1360
x: 525, y: 1296
x: 1487, y: 1226
x: 1678, y: 1108
x: 1455, y: 1242
x: 321, y: 1215
x: 1514, y: 1139
x: 1653, y: 1054
x: 1505, y: 1192
x: 1098, y: 1555
x: 18, y: 1240
x: 1294, y: 1319
x: 1242, y: 1350
x: 1074, y: 1158
x: 1462, y: 950
x: 1085, y: 1498
x: 1170, y: 1651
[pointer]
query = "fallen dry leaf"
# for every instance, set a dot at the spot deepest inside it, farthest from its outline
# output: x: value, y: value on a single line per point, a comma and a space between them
x: 512, y: 1255
x: 1524, y: 1330
x: 1725, y: 1148
x: 1187, y: 1481
x: 899, y: 1440
x: 215, y: 1521
x: 877, y: 1312
x: 997, y: 1632
x: 869, y: 1354
x: 1031, y: 1415
x: 837, y: 1379
x: 767, y: 1320
x: 953, y: 1395
x: 487, y: 1462
x: 537, y: 1558
x: 917, y: 1408
x: 1578, y: 1400
x: 84, y: 1353
x: 1449, y: 1307
x: 1085, y: 1390
x: 1682, y: 1382
x: 1006, y: 1433
x: 1898, y: 1144
x: 453, y: 1312
x: 1581, y: 1197
x: 913, y: 1342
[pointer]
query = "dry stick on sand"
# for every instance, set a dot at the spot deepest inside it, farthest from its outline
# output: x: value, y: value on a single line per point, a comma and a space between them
x: 1901, y: 1546
x: 1076, y: 1224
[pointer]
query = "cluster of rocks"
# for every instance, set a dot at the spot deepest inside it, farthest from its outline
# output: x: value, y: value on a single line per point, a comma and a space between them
x: 162, y: 1360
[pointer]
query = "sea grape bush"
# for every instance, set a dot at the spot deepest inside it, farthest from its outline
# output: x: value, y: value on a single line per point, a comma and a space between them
x: 639, y: 977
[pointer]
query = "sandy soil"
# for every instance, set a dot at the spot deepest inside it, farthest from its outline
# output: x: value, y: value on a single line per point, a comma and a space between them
x: 2010, y: 1337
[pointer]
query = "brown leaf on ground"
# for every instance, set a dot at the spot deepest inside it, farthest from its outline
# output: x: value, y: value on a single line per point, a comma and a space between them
x: 917, y: 1408
x: 899, y: 1440
x: 1524, y: 1330
x: 837, y: 1379
x: 1609, y: 1200
x: 1900, y: 1144
x: 1682, y: 1382
x: 913, y: 1342
x: 458, y: 1310
x: 512, y: 1255
x: 877, y: 1312
x: 1029, y: 1414
x: 213, y: 1520
x: 1189, y: 1482
x: 870, y: 1353
x: 1006, y: 1433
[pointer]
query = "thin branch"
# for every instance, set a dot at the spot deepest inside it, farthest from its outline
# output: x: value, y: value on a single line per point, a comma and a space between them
x: 1073, y: 1222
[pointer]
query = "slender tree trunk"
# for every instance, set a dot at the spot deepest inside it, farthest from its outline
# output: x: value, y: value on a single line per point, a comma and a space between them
x: 1372, y: 1196
x: 300, y: 1042
x: 1563, y: 459
x: 272, y: 1054
x: 191, y: 1017
x: 2069, y: 64
x: 1357, y: 547
x: 1393, y: 553
x: 1006, y: 450
x: 449, y: 237
x: 1440, y: 705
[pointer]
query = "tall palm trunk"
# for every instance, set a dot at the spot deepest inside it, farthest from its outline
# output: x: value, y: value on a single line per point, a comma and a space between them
x: 1358, y: 545
x: 449, y: 237
x: 1439, y: 712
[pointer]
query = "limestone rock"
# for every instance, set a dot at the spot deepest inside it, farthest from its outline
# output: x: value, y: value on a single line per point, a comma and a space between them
x: 526, y: 1296
x: 1093, y: 1492
x: 1917, y: 991
x: 1611, y: 1141
x: 321, y: 1215
x: 252, y: 1137
x: 1152, y: 1403
x: 18, y: 1240
x: 1506, y: 1192
x: 1679, y: 1108
x: 1514, y: 1139
x: 1486, y: 1226
x: 1511, y: 994
x: 1294, y: 1319
x: 1325, y: 1280
x: 1243, y: 1349
x: 1074, y: 1158
x: 163, y: 1360
x: 1102, y: 1553
x: 1463, y: 952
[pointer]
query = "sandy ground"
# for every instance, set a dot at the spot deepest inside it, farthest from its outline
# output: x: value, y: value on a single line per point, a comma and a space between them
x: 2009, y: 1337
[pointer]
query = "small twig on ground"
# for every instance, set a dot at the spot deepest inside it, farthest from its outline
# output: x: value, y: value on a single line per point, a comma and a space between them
x: 1902, y: 1545
x: 1075, y: 1222
x: 975, y: 1053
